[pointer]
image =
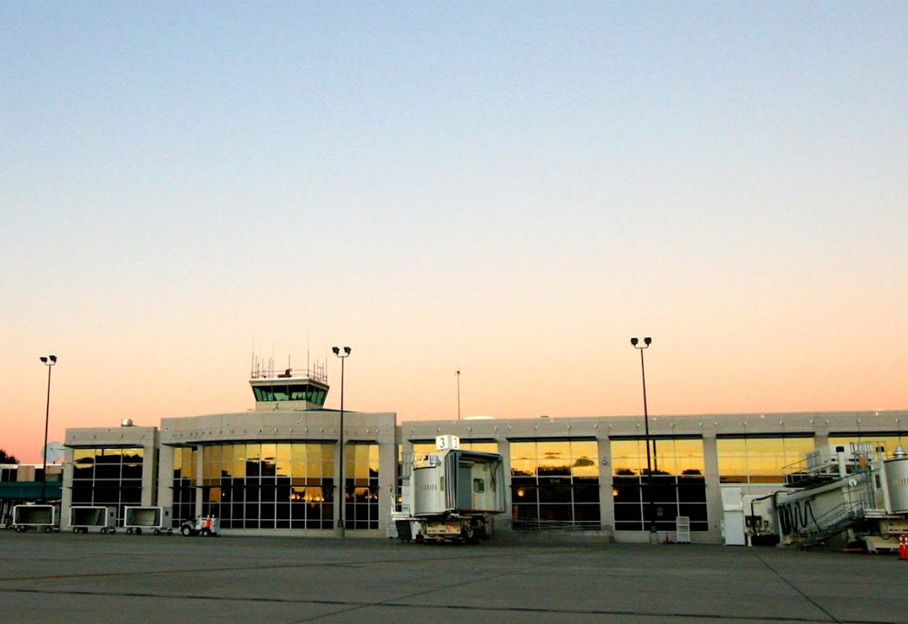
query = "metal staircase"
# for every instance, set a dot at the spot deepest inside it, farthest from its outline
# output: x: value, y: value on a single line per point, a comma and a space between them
x: 832, y: 523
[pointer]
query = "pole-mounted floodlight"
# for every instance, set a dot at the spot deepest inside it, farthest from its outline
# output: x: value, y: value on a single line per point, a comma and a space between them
x: 48, y: 361
x: 458, y: 395
x: 649, y: 465
x: 343, y: 485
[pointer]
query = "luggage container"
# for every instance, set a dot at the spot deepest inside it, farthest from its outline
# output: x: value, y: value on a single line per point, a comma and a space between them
x: 37, y: 517
x: 154, y: 519
x: 81, y: 519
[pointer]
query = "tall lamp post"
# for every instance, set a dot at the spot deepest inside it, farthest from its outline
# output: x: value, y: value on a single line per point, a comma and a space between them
x: 458, y: 395
x: 342, y: 490
x: 653, y: 534
x: 49, y: 361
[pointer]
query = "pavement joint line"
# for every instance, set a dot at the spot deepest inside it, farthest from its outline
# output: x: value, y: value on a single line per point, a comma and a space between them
x: 832, y: 618
x: 354, y: 606
x: 274, y: 566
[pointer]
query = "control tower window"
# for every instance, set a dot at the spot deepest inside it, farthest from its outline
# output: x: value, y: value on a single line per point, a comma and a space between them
x: 290, y: 392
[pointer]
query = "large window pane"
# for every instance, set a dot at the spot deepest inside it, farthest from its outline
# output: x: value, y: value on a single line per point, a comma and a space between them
x: 760, y: 459
x: 249, y: 485
x: 678, y: 466
x: 550, y: 478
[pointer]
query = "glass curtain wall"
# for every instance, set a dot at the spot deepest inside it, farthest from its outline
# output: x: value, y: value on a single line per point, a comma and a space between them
x: 269, y: 485
x: 760, y: 459
x: 555, y: 483
x: 888, y: 440
x: 361, y: 491
x: 678, y: 483
x: 107, y: 477
x: 184, y: 469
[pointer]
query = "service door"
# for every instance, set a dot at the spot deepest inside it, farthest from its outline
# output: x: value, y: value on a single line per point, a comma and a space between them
x: 465, y: 485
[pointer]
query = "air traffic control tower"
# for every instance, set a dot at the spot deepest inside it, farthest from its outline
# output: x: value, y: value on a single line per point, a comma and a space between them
x: 290, y: 391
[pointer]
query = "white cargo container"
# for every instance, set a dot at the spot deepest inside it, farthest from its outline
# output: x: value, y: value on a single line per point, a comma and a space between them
x: 154, y: 519
x: 37, y: 517
x: 81, y: 519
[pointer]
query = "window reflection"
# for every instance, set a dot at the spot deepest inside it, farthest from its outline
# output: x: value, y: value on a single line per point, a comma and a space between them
x: 555, y: 482
x: 678, y: 485
x: 110, y: 477
x: 761, y: 459
x: 361, y: 492
x: 889, y: 442
x: 270, y: 485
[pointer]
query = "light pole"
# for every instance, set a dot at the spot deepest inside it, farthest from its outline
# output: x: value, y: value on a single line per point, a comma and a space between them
x: 342, y: 490
x: 458, y: 395
x: 49, y: 361
x: 653, y: 537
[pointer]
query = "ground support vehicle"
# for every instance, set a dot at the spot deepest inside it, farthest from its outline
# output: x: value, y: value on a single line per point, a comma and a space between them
x: 82, y: 519
x: 157, y: 520
x: 36, y: 518
x: 207, y: 526
x: 450, y: 495
x: 853, y: 493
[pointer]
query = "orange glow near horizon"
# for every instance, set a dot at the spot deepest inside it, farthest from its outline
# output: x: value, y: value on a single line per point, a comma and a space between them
x: 513, y: 199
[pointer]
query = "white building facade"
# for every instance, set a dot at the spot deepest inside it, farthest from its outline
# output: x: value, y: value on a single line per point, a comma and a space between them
x: 277, y: 469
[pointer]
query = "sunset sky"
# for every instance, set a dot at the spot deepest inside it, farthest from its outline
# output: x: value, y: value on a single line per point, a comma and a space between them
x: 508, y: 189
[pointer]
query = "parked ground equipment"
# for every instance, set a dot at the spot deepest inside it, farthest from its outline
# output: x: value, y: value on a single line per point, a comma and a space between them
x: 450, y: 495
x: 81, y: 519
x: 206, y: 526
x: 154, y: 519
x: 36, y: 518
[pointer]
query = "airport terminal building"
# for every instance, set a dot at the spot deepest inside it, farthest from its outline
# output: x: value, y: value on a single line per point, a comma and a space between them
x: 276, y: 470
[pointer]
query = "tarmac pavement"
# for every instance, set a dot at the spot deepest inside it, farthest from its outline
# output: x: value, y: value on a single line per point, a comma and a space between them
x: 114, y: 579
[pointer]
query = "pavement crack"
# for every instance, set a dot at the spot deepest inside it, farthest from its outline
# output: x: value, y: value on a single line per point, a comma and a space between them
x: 832, y: 618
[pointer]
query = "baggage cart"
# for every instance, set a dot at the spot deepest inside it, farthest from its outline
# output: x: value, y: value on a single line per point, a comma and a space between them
x: 35, y: 517
x: 157, y: 520
x: 104, y: 519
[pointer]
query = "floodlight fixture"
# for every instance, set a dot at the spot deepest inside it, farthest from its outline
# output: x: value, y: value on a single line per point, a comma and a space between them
x: 654, y: 536
x: 48, y: 361
x: 342, y: 490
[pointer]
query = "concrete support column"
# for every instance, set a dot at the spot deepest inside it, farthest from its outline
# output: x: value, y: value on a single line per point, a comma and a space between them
x: 165, y: 477
x: 149, y: 473
x: 387, y: 477
x: 606, y: 485
x: 504, y: 449
x: 199, y: 479
x: 714, y: 510
x: 67, y: 501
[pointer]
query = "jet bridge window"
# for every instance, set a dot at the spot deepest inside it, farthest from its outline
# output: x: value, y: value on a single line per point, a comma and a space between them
x: 479, y: 486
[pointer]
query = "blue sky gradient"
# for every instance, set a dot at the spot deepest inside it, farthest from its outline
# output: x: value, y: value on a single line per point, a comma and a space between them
x: 512, y: 189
